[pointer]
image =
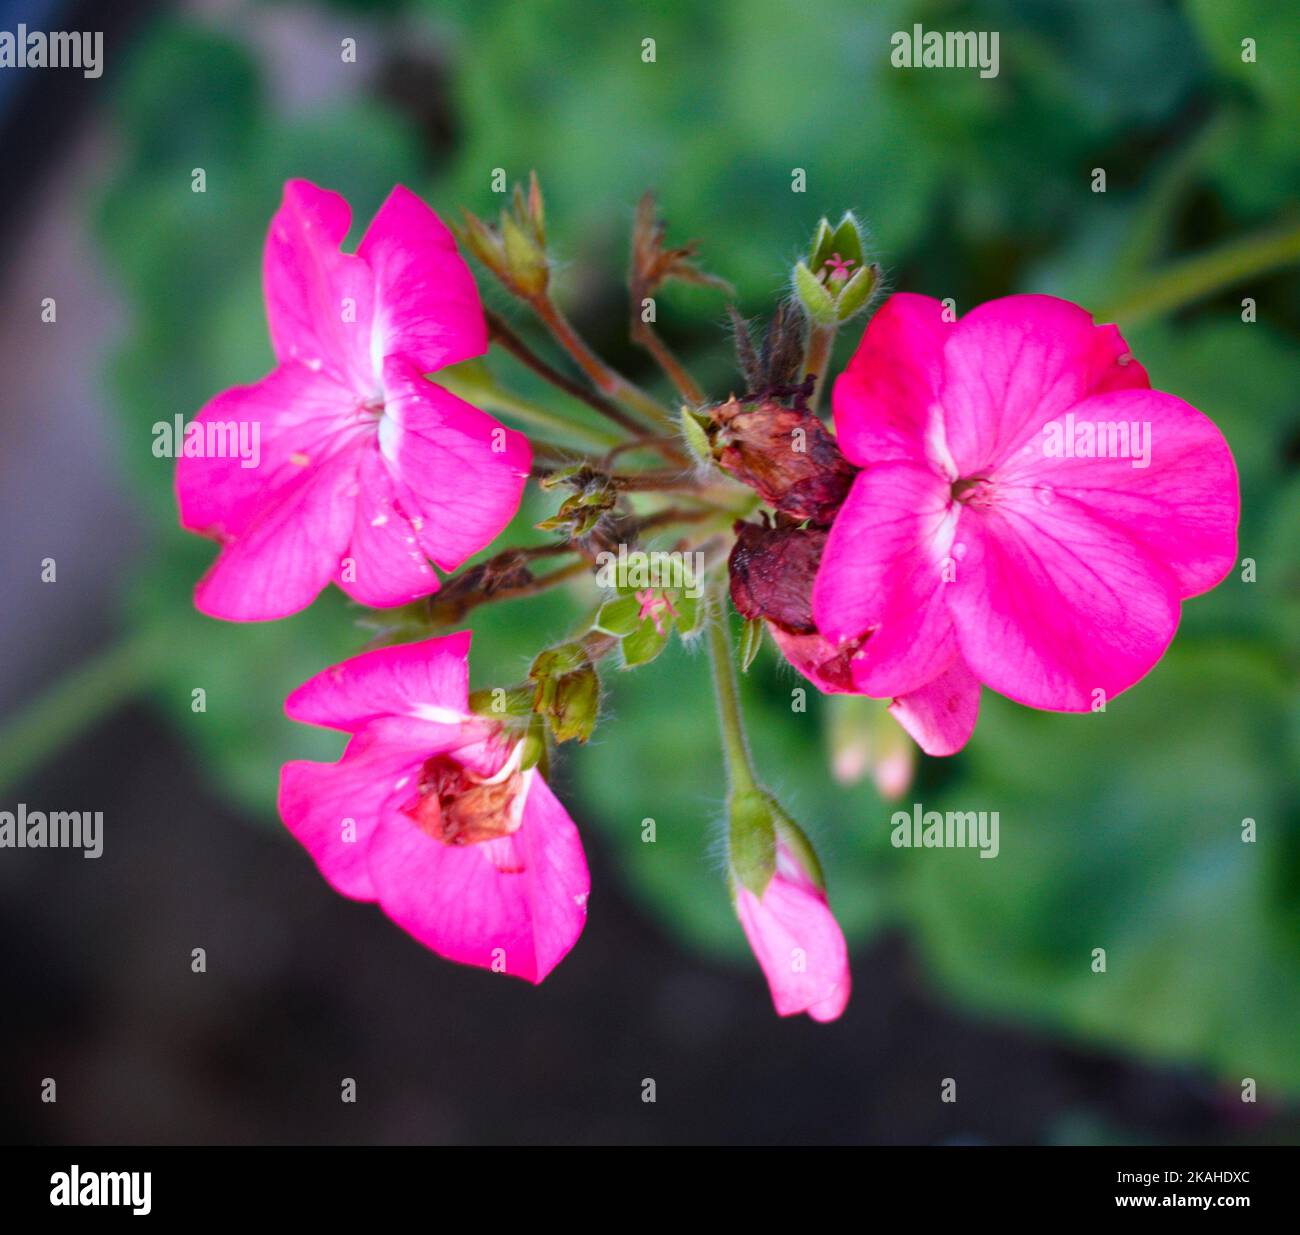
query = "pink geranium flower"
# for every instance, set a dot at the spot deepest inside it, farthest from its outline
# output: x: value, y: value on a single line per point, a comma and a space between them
x: 429, y: 813
x: 1030, y: 514
x: 796, y: 940
x: 364, y: 470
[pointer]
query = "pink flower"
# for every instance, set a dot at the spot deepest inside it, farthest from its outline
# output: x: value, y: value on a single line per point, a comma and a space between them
x: 363, y: 469
x: 772, y: 574
x: 429, y: 814
x: 651, y: 607
x: 796, y: 940
x: 1030, y: 514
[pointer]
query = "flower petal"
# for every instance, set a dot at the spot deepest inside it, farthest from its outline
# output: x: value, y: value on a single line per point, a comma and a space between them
x: 291, y: 421
x: 883, y: 570
x: 390, y: 566
x: 1111, y: 366
x: 334, y: 808
x: 516, y: 904
x: 940, y: 716
x: 1013, y: 364
x: 1052, y: 604
x: 799, y: 946
x: 427, y: 308
x: 319, y: 301
x: 886, y: 401
x: 463, y: 471
x: 280, y: 562
x: 1180, y: 503
x: 816, y: 658
x: 428, y: 680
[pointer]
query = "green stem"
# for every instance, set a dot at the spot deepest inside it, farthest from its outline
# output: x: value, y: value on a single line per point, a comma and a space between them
x: 673, y: 368
x: 75, y: 702
x: 671, y: 481
x: 1196, y: 277
x: 494, y: 399
x: 502, y: 333
x: 606, y: 380
x: 820, y: 341
x: 735, y: 747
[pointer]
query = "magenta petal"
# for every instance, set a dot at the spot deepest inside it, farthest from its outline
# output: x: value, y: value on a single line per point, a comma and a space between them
x: 1111, y: 366
x: 797, y: 942
x: 428, y: 680
x: 294, y: 417
x: 886, y: 401
x: 334, y: 808
x: 319, y: 301
x: 281, y: 561
x: 1053, y: 605
x: 814, y: 657
x: 390, y: 567
x: 427, y: 306
x: 463, y: 471
x: 883, y: 570
x: 516, y: 904
x: 1013, y: 364
x: 1182, y: 507
x: 940, y: 716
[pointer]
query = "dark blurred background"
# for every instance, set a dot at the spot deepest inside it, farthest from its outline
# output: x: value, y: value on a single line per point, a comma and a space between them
x: 1122, y: 831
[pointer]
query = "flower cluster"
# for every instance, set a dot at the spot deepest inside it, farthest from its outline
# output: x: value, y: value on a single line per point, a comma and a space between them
x: 1003, y: 501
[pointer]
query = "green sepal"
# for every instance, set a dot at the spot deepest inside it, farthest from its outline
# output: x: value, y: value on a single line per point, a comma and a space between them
x: 857, y: 292
x: 516, y: 701
x: 695, y: 437
x: 823, y: 245
x: 847, y: 240
x: 751, y: 640
x: 525, y: 262
x: 751, y: 840
x: 814, y: 296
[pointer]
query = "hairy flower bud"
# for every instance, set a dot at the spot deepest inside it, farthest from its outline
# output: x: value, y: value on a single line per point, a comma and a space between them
x: 785, y: 454
x: 772, y: 568
x: 835, y: 282
x: 781, y: 902
x: 515, y: 250
x: 567, y: 691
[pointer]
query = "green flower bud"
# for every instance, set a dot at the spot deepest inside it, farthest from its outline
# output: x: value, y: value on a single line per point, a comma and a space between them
x: 567, y: 691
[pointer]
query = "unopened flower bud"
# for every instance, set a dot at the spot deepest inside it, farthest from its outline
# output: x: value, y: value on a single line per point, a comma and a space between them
x: 515, y: 250
x: 781, y: 902
x: 786, y: 455
x: 567, y: 691
x: 835, y: 282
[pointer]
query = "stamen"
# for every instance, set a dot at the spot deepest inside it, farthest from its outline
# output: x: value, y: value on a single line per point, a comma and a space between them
x: 456, y: 807
x: 977, y: 490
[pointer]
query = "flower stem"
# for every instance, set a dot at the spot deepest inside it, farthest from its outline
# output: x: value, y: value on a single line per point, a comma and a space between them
x: 673, y: 368
x: 447, y: 608
x: 820, y: 341
x: 494, y: 399
x: 735, y: 747
x: 1196, y: 277
x: 658, y: 482
x: 503, y: 334
x: 606, y: 380
x: 674, y: 514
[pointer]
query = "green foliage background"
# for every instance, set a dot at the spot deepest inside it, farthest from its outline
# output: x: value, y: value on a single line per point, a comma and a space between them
x: 1120, y: 830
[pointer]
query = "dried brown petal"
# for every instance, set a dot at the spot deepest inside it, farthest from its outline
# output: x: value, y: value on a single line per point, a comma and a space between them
x: 786, y: 455
x: 772, y: 571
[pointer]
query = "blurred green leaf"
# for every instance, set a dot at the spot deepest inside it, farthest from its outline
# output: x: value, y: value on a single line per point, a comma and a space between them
x: 1132, y: 844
